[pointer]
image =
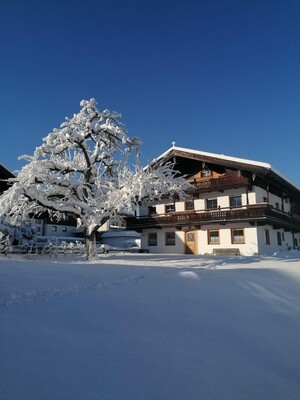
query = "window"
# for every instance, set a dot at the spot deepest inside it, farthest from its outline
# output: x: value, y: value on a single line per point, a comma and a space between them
x: 235, y: 201
x: 38, y: 222
x: 170, y: 238
x: 169, y: 208
x: 237, y: 236
x: 38, y: 229
x: 205, y: 173
x: 267, y: 236
x: 151, y: 210
x: 54, y: 228
x: 279, y: 242
x: 152, y: 239
x: 190, y: 237
x: 211, y: 204
x: 189, y: 205
x: 282, y: 236
x: 295, y: 242
x: 265, y: 200
x: 64, y: 229
x: 213, y: 237
x: 277, y: 206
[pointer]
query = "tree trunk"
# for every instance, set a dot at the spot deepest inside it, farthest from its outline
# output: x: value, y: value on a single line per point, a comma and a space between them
x: 90, y: 245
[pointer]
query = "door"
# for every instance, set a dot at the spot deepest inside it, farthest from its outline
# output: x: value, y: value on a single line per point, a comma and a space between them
x: 191, y: 242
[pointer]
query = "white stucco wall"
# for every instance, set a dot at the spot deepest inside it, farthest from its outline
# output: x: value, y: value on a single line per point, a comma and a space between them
x: 254, y: 236
x: 255, y: 196
x: 273, y: 247
x: 273, y: 199
x: 104, y: 227
x: 252, y: 197
x: 160, y: 208
x: 259, y: 194
x: 179, y: 206
x: 223, y: 199
x: 161, y: 247
x: 250, y: 246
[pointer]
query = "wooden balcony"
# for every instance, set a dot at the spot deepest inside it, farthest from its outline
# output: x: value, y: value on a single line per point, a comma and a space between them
x: 251, y: 213
x: 217, y: 184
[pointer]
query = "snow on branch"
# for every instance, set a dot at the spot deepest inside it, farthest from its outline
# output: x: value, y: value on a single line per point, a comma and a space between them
x: 81, y: 169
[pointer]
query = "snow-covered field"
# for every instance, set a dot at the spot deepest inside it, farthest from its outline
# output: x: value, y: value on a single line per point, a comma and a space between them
x: 149, y: 327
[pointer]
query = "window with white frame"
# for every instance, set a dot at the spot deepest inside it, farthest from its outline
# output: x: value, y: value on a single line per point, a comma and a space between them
x: 205, y: 173
x: 54, y: 228
x: 190, y: 237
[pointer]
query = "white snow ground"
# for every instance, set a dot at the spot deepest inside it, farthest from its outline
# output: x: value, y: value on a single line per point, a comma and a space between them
x: 149, y: 327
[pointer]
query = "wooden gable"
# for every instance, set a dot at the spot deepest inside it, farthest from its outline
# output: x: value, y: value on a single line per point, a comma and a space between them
x: 190, y: 163
x: 206, y: 174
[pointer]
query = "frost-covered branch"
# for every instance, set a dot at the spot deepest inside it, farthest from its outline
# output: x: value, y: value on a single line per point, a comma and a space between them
x: 81, y: 169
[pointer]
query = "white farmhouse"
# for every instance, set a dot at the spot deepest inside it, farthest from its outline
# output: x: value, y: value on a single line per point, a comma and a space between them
x: 235, y: 206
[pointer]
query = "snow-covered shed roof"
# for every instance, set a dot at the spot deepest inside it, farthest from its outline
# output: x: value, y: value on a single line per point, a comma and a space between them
x: 227, y: 161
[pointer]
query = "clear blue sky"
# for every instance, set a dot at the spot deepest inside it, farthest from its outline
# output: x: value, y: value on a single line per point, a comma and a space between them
x: 220, y: 76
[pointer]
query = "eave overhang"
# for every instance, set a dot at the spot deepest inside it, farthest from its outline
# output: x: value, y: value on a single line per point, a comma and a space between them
x: 255, y: 168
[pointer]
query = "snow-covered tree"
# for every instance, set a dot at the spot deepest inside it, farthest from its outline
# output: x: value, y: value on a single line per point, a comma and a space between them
x: 5, y: 243
x: 84, y: 169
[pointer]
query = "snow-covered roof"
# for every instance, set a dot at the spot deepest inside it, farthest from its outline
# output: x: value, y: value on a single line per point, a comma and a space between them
x: 238, y: 160
x: 215, y: 155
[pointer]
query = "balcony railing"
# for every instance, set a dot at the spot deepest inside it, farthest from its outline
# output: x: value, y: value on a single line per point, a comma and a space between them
x: 248, y: 213
x: 221, y: 183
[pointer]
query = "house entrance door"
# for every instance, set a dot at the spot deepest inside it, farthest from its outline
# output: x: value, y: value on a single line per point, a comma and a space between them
x: 191, y: 242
